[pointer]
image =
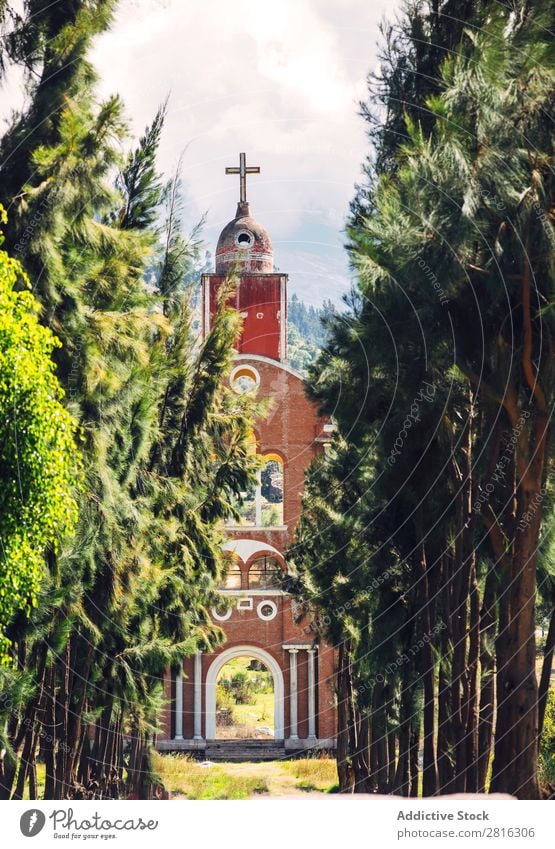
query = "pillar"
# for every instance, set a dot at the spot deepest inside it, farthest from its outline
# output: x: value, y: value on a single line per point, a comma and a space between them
x: 198, y: 697
x: 311, y: 695
x: 293, y: 694
x: 179, y: 704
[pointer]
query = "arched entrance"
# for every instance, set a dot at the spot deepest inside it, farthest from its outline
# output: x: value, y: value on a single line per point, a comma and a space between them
x: 245, y: 701
x: 211, y: 683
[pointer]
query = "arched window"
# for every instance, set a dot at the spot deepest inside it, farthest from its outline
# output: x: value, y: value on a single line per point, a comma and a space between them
x: 244, y: 378
x: 262, y: 505
x: 265, y: 574
x: 271, y: 491
x: 233, y: 578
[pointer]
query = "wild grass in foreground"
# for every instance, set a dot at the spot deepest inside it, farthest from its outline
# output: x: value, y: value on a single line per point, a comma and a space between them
x: 185, y: 778
x: 313, y: 773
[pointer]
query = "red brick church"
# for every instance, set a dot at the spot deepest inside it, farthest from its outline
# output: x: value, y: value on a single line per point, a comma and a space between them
x: 258, y: 619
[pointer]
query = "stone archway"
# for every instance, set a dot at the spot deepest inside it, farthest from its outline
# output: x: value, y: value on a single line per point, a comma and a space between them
x: 212, y: 676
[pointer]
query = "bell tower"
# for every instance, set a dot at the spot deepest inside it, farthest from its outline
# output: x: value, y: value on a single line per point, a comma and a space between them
x: 245, y: 249
x: 257, y: 614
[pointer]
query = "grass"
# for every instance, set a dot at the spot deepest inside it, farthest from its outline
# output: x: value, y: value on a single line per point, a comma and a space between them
x: 314, y: 773
x: 251, y: 719
x: 41, y: 780
x: 186, y: 778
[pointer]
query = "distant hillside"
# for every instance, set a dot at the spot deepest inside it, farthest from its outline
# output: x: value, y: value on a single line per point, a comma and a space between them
x: 306, y: 333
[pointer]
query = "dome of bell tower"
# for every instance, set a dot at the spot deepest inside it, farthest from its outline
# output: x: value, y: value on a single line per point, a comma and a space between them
x: 244, y: 245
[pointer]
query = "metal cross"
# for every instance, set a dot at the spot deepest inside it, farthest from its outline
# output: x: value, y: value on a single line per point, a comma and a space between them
x: 243, y: 171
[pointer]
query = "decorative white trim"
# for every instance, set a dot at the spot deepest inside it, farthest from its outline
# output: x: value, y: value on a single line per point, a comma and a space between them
x: 311, y: 695
x: 212, y: 677
x: 244, y: 604
x: 259, y: 358
x: 293, y: 694
x: 255, y: 374
x: 221, y: 617
x: 258, y: 499
x: 198, y: 697
x: 243, y: 259
x: 243, y: 593
x: 247, y: 548
x: 259, y: 607
x: 283, y: 318
x: 179, y: 704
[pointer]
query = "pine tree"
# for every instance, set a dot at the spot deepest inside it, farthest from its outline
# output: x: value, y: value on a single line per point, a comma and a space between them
x: 452, y: 234
x: 164, y: 445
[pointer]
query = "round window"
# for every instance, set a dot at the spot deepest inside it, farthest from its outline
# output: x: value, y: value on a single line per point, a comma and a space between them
x: 221, y: 613
x: 266, y: 610
x: 244, y: 379
x: 244, y: 239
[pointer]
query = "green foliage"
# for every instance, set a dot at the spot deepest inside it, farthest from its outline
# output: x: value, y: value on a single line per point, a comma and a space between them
x: 452, y: 242
x: 547, y: 745
x: 306, y: 332
x: 186, y: 778
x: 38, y: 462
x: 165, y: 444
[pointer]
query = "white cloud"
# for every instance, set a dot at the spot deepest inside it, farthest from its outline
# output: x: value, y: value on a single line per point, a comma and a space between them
x: 279, y: 79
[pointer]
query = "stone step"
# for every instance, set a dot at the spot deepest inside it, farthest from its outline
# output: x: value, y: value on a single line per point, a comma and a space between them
x: 244, y: 744
x: 244, y: 752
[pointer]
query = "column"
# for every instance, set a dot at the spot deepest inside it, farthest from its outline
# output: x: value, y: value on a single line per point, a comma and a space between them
x: 179, y: 704
x: 258, y: 500
x: 293, y: 694
x: 198, y: 697
x: 311, y: 695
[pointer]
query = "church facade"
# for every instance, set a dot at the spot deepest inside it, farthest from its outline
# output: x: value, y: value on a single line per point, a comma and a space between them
x: 258, y: 617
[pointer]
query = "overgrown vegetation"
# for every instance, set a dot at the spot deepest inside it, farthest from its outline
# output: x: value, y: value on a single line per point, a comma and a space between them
x: 164, y: 444
x: 425, y: 534
x: 187, y: 778
x: 39, y: 470
x: 306, y: 332
x: 245, y: 700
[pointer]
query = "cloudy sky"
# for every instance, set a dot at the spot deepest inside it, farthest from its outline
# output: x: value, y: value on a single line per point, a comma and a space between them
x: 279, y: 79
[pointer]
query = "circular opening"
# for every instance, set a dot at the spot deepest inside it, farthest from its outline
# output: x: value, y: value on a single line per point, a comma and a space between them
x: 244, y: 379
x: 266, y: 610
x: 221, y: 612
x: 244, y: 239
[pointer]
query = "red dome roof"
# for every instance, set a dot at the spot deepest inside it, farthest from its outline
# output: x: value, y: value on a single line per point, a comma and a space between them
x: 244, y: 245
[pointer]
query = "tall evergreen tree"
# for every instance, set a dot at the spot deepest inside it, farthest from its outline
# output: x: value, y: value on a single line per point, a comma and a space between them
x: 454, y: 233
x: 165, y: 446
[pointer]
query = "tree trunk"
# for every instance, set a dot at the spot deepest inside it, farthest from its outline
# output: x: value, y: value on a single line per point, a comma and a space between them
x: 472, y: 714
x: 445, y: 742
x: 401, y: 783
x: 413, y: 755
x: 49, y: 741
x: 379, y: 739
x: 516, y: 738
x: 430, y: 771
x: 488, y: 622
x: 344, y: 769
